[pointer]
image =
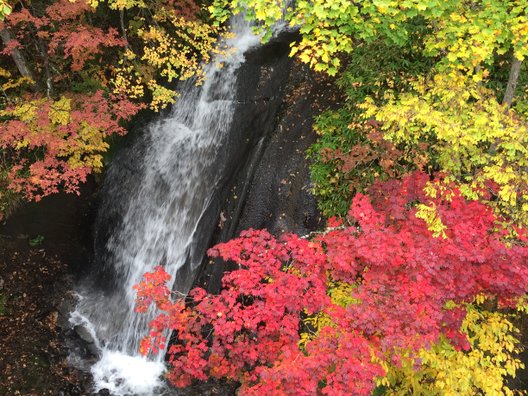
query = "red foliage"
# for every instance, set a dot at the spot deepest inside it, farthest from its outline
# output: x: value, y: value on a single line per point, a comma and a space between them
x: 64, y: 10
x: 82, y: 43
x: 21, y: 18
x: 404, y: 277
x: 187, y: 9
x: 50, y: 167
x: 10, y: 47
x: 64, y: 31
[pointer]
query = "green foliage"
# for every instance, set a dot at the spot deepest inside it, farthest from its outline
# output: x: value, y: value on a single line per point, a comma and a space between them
x: 332, y: 191
x: 349, y: 154
x: 86, y: 83
x: 37, y: 241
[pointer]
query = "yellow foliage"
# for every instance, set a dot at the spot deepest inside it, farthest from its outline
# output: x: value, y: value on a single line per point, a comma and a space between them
x: 172, y: 48
x: 59, y: 113
x: 12, y: 86
x: 341, y: 295
x: 4, y: 73
x: 5, y: 9
x: 430, y: 215
x: 82, y: 147
x: 463, y: 34
x: 442, y: 370
x: 25, y: 111
x: 89, y: 143
x: 522, y: 304
x: 472, y: 137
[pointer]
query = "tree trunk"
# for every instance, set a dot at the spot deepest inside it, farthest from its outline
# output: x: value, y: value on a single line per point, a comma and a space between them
x: 478, y: 69
x: 512, y: 81
x: 122, y: 22
x: 17, y: 55
x: 41, y: 47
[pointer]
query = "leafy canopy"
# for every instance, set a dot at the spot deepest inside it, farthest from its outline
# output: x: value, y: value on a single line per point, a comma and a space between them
x: 470, y: 137
x: 76, y: 72
x: 339, y: 312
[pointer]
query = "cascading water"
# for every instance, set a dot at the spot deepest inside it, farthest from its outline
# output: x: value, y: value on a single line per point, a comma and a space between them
x: 160, y: 205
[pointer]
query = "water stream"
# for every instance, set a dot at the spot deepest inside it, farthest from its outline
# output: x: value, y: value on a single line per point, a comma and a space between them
x: 160, y: 203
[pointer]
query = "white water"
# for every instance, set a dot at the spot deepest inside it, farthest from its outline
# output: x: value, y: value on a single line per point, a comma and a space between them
x: 164, y: 203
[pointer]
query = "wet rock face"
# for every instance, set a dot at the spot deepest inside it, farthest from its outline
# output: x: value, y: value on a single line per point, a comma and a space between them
x: 272, y: 189
x: 262, y: 81
x: 278, y: 196
x: 84, y: 334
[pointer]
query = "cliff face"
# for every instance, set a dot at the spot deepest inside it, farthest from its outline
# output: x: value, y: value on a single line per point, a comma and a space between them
x: 272, y: 189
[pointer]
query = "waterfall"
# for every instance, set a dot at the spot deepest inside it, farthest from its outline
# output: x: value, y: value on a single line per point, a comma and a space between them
x: 159, y: 203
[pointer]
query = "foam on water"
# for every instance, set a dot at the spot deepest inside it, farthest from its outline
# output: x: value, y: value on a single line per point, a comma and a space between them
x: 123, y: 374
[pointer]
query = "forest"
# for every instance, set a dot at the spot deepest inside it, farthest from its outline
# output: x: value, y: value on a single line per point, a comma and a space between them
x: 414, y: 280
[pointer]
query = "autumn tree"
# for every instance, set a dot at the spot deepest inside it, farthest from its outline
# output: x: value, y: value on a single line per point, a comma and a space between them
x: 53, y: 134
x: 75, y: 73
x: 356, y: 307
x: 167, y: 42
x: 469, y: 135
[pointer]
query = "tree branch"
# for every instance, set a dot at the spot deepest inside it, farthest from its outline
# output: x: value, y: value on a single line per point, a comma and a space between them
x: 512, y: 81
x: 17, y: 55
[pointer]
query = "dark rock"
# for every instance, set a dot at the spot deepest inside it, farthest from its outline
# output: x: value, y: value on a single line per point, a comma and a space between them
x: 64, y: 309
x: 278, y: 196
x: 104, y: 392
x: 93, y: 350
x: 75, y: 390
x: 273, y: 189
x: 84, y: 334
x: 260, y: 89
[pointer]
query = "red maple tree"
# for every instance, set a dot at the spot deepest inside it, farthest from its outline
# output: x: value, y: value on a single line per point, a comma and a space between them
x: 409, y: 287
